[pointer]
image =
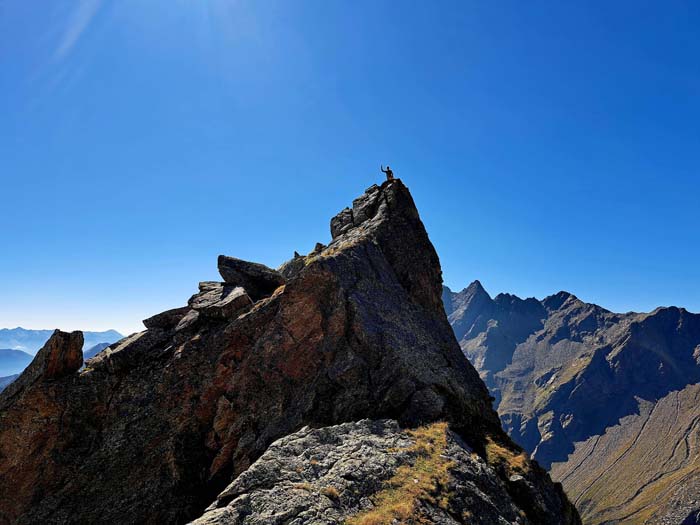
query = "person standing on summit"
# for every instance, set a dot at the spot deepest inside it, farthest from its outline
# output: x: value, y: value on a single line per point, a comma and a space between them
x: 389, y: 173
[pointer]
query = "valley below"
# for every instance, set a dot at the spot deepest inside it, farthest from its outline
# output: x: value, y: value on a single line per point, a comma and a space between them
x: 606, y: 402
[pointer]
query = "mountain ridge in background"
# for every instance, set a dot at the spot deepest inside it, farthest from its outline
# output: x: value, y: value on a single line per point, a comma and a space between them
x: 568, y: 375
x: 13, y: 361
x: 30, y: 341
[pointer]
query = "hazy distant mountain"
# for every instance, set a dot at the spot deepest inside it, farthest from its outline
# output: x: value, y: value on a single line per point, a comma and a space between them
x: 92, y: 352
x: 564, y: 373
x: 31, y: 341
x: 4, y: 381
x: 13, y: 361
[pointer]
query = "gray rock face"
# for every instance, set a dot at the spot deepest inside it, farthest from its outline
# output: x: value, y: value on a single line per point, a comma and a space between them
x: 216, y: 300
x: 358, y: 470
x: 258, y: 280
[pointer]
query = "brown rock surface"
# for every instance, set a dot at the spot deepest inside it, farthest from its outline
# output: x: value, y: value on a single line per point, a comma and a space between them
x: 157, y: 425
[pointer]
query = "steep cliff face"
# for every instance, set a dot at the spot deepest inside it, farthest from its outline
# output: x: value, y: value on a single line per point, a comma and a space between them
x: 153, y: 428
x: 566, y: 372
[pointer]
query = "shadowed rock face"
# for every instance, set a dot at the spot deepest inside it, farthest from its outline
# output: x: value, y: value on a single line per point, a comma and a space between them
x: 565, y: 373
x: 155, y: 426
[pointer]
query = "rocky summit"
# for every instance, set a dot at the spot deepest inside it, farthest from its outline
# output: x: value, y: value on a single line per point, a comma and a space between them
x: 331, y: 390
x: 607, y: 400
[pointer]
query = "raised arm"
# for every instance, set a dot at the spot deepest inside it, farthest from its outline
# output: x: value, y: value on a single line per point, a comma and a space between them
x: 381, y: 167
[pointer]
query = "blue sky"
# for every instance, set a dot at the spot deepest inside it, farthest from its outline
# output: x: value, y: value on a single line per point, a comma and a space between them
x: 548, y: 145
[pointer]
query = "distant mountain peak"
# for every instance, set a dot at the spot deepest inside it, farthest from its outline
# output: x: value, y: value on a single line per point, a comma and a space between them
x: 556, y: 301
x: 476, y: 286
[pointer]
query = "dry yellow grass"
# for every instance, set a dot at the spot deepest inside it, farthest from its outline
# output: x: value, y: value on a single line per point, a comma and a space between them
x: 410, y: 484
x: 497, y: 454
x: 330, y: 492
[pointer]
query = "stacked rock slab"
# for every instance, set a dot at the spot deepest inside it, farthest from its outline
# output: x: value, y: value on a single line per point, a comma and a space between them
x: 257, y: 279
x: 156, y: 426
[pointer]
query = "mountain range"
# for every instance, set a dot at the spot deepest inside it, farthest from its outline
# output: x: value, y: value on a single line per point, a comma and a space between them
x: 330, y: 390
x: 4, y: 381
x: 13, y: 361
x: 607, y: 401
x: 30, y: 341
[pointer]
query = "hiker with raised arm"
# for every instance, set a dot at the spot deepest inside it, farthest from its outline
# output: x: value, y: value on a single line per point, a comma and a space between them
x: 389, y: 173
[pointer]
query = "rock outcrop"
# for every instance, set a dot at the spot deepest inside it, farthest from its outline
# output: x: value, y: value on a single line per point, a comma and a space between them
x: 572, y: 382
x: 257, y: 279
x: 374, y: 472
x: 155, y: 427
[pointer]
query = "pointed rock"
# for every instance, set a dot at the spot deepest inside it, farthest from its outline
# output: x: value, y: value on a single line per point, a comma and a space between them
x: 60, y: 356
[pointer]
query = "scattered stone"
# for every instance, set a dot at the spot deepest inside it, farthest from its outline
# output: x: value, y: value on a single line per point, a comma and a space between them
x: 61, y: 356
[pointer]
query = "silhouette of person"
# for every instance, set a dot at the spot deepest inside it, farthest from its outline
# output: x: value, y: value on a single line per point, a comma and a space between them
x: 389, y: 173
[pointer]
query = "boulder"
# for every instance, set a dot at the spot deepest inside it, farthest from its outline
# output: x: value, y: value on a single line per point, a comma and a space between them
x: 166, y: 320
x: 258, y: 280
x: 217, y: 300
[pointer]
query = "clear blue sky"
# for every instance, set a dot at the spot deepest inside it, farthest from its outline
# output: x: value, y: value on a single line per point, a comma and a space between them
x: 548, y: 145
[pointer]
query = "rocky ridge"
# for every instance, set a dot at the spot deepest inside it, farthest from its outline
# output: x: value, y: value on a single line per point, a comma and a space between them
x: 155, y: 427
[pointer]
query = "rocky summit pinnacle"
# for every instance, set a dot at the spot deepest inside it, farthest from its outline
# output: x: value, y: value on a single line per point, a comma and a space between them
x: 177, y: 419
